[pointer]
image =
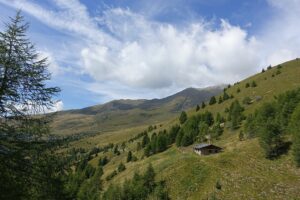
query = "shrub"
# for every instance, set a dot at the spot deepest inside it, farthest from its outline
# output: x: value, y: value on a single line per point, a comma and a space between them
x: 246, y: 100
x: 278, y: 72
x: 218, y: 185
x: 121, y: 167
x: 247, y: 85
x: 111, y: 175
x: 253, y: 84
x: 103, y: 161
x: 129, y: 156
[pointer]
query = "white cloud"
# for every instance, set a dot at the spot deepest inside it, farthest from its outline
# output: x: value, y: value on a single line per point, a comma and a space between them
x: 156, y: 55
x: 57, y: 106
x: 280, y: 35
x: 135, y: 54
x: 53, y: 67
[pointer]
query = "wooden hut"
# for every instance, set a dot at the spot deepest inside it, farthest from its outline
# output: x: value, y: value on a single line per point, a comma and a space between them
x: 206, y: 149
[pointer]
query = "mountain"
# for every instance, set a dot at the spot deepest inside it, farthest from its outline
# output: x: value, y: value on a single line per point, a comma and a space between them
x: 127, y: 113
x: 241, y: 171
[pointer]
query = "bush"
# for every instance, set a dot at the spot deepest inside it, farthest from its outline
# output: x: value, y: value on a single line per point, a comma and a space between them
x: 121, y: 167
x: 218, y: 185
x: 238, y: 90
x: 279, y: 66
x: 246, y: 100
x: 111, y: 175
x: 253, y: 84
x: 247, y: 85
x: 129, y: 156
x: 278, y: 72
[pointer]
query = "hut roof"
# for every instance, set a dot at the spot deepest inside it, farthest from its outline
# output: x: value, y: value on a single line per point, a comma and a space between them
x: 204, y: 145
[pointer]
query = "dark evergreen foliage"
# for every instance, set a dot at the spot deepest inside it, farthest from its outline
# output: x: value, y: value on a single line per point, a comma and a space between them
x: 121, y: 167
x: 129, y: 156
x: 294, y: 127
x: 139, y: 187
x: 235, y: 114
x: 197, y: 108
x: 183, y: 117
x: 212, y: 100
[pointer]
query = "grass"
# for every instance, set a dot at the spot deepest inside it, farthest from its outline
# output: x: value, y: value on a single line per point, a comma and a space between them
x: 241, y: 169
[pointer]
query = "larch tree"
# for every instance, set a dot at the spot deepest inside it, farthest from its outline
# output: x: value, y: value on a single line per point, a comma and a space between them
x: 24, y: 95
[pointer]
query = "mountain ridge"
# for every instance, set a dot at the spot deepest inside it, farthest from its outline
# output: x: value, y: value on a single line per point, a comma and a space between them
x: 126, y: 112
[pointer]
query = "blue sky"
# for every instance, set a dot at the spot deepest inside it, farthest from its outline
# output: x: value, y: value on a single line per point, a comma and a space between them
x: 113, y: 49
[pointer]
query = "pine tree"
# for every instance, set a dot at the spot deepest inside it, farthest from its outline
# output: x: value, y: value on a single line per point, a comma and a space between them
x: 212, y: 100
x: 129, y: 156
x: 220, y: 100
x: 145, y: 140
x: 23, y: 94
x: 149, y: 178
x: 179, y: 138
x: 271, y: 138
x: 203, y: 105
x: 183, y: 117
x: 294, y: 126
x: 161, y: 143
x: 225, y: 96
x: 197, y: 108
x: 235, y: 114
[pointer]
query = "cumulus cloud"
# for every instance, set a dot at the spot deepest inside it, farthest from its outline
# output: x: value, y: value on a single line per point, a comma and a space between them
x: 156, y: 55
x: 280, y: 35
x: 122, y: 49
x: 57, y: 106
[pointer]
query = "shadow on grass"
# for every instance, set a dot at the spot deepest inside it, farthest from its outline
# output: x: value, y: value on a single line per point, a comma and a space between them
x: 281, y: 150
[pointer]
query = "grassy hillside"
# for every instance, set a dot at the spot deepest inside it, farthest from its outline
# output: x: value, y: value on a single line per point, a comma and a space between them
x: 242, y: 170
x: 120, y: 114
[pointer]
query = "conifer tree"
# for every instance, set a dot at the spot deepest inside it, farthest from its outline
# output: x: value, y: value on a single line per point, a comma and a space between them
x: 183, y: 117
x: 295, y: 130
x: 129, y: 156
x: 197, y: 108
x: 212, y: 100
x: 23, y: 95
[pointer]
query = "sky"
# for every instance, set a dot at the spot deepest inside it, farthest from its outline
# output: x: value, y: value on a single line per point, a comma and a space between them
x: 141, y: 49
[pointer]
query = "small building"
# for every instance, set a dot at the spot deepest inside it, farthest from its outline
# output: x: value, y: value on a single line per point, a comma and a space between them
x: 206, y: 149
